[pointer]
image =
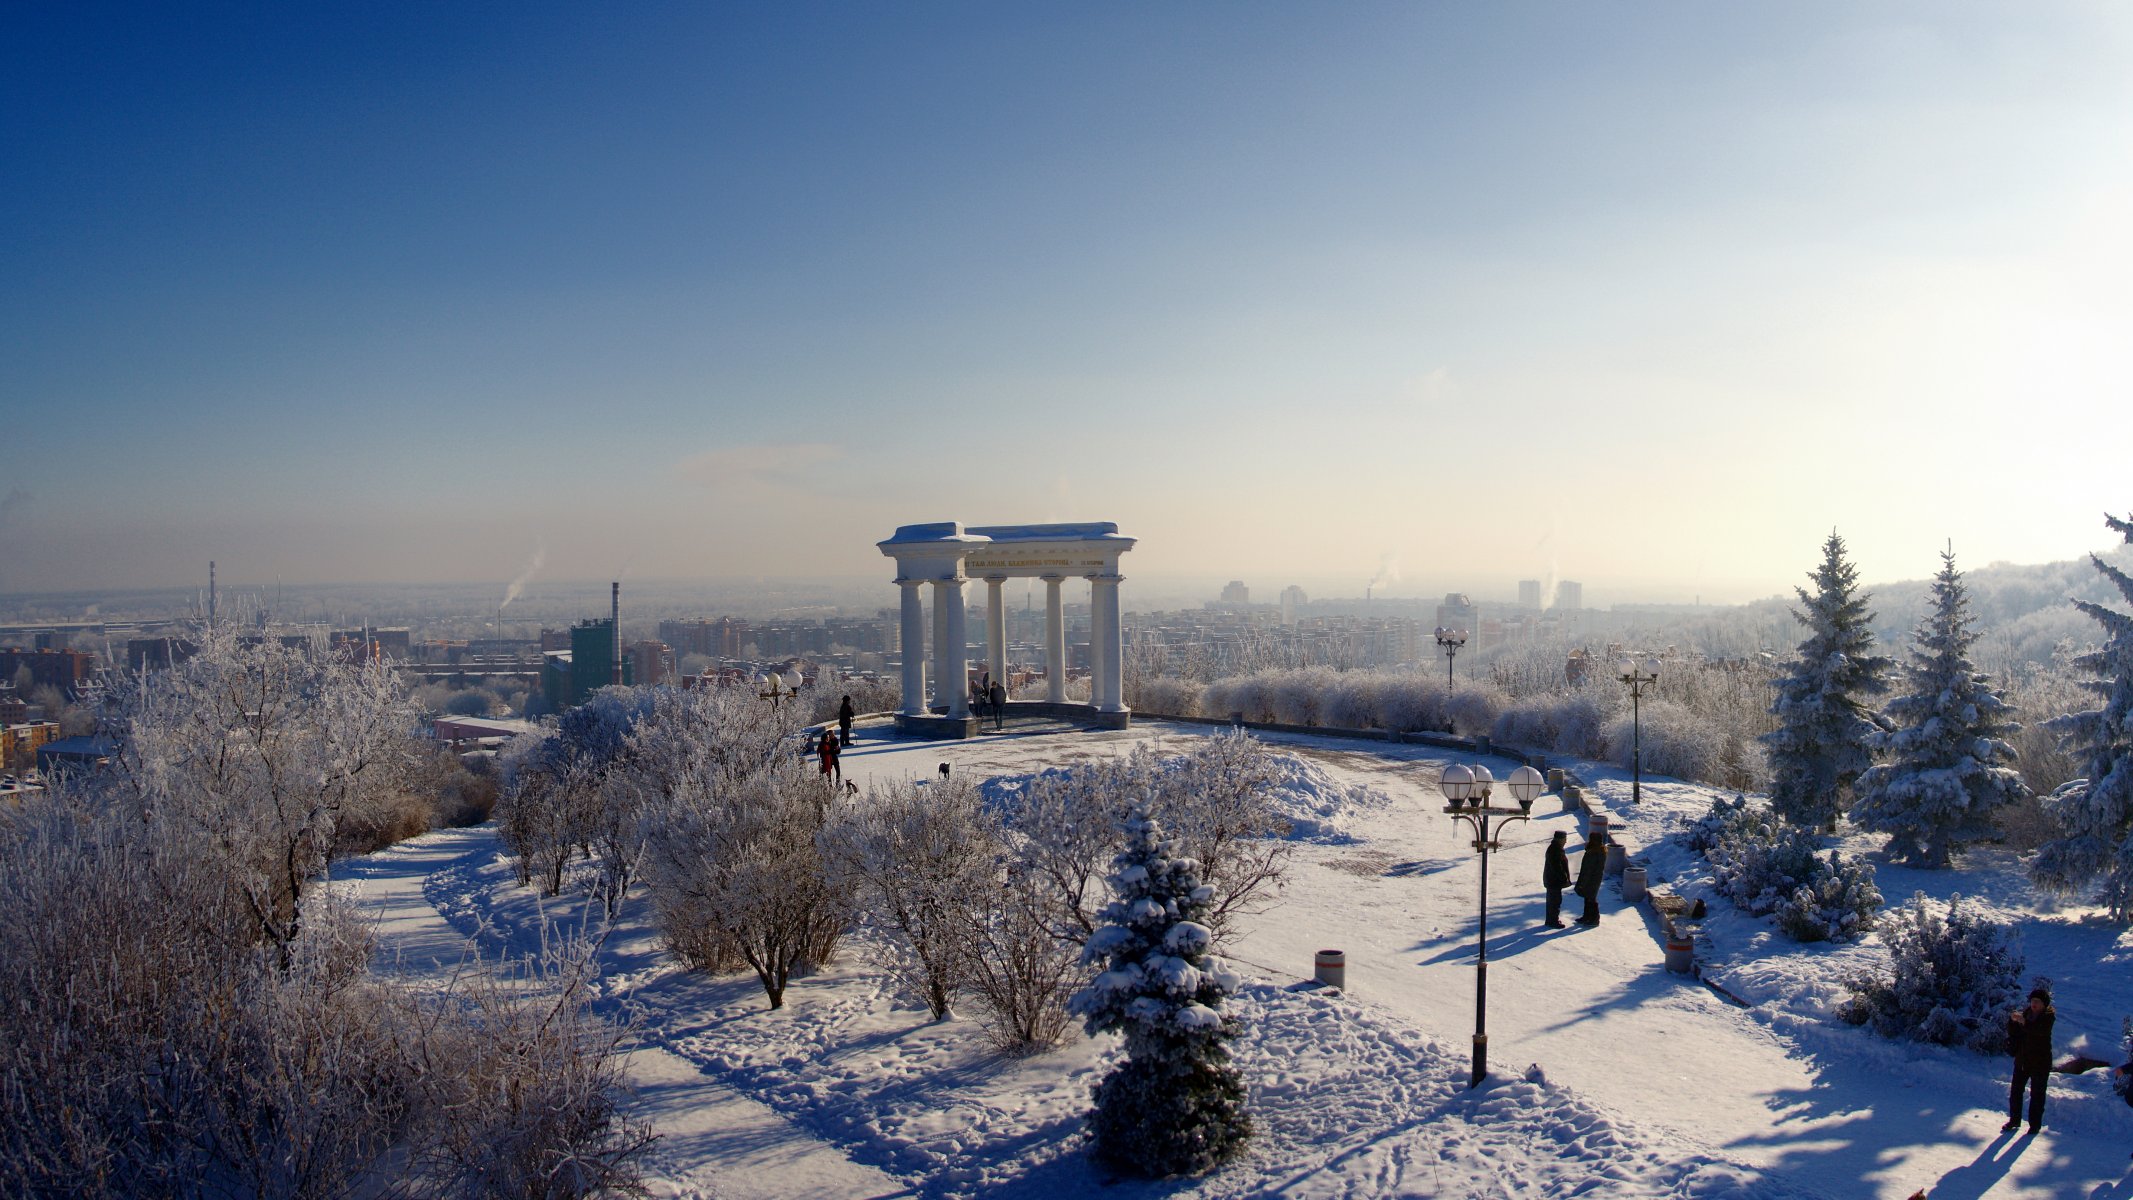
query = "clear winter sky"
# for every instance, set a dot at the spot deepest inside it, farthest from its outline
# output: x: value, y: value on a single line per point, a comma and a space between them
x: 1646, y: 295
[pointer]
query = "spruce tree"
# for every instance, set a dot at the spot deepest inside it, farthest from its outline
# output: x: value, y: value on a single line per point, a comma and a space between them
x: 2095, y: 814
x: 1825, y: 735
x: 1175, y: 1106
x: 1947, y: 771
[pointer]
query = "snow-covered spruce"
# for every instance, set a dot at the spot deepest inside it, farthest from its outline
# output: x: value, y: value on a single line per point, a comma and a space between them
x: 2094, y: 815
x: 1176, y: 1105
x: 1950, y: 980
x: 1825, y: 735
x: 1947, y: 773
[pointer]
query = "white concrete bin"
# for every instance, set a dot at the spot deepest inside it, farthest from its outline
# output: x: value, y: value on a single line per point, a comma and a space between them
x: 1680, y: 953
x: 1633, y: 884
x: 1617, y: 857
x: 1331, y: 969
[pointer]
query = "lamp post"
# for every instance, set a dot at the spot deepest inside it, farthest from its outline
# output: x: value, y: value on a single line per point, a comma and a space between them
x: 1466, y: 797
x: 1449, y: 640
x: 1638, y: 676
x: 789, y: 682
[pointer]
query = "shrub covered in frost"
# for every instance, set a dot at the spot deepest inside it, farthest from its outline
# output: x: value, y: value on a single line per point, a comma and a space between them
x: 1573, y: 723
x: 1017, y: 968
x: 1951, y: 980
x: 918, y: 858
x: 1217, y: 798
x: 1674, y: 741
x: 1768, y: 867
x: 1836, y: 904
x: 1176, y: 1105
x: 152, y: 1046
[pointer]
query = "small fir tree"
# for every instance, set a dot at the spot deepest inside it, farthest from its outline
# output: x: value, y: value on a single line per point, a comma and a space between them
x: 1826, y: 730
x: 2094, y: 815
x: 1947, y: 773
x: 1176, y: 1105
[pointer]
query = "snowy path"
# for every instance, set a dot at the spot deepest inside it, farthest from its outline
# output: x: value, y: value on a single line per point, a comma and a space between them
x: 714, y: 1143
x: 1833, y: 1109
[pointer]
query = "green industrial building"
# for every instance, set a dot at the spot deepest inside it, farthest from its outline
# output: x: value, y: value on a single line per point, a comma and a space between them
x: 569, y: 676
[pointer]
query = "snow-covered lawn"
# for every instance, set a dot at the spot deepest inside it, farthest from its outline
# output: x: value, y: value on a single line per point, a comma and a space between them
x: 1649, y: 1084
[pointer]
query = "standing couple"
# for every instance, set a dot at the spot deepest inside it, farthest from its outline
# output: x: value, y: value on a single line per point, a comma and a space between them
x: 1555, y: 876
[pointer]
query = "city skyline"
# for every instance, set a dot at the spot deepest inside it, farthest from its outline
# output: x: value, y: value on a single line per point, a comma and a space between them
x: 1647, y: 297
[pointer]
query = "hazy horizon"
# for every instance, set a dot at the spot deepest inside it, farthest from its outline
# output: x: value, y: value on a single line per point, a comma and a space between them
x: 1648, y: 296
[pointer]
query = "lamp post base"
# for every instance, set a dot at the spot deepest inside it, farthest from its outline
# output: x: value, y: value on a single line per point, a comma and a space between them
x: 1481, y: 1060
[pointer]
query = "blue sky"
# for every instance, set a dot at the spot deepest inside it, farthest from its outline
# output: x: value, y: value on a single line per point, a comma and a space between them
x: 1647, y: 295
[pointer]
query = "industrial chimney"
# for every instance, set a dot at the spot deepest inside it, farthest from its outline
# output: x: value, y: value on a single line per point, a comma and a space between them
x: 614, y: 622
x: 211, y: 593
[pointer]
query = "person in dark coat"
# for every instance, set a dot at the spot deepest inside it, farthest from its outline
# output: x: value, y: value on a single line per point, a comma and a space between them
x: 1555, y: 876
x: 845, y: 713
x: 998, y: 698
x: 1592, y: 868
x: 2029, y: 1039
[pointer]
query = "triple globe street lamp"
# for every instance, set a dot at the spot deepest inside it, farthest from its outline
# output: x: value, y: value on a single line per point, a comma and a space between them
x: 1466, y: 798
x: 1638, y: 675
x: 780, y: 686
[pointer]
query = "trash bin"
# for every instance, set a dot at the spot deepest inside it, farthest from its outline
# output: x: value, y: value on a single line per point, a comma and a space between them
x: 1331, y: 969
x: 1680, y: 953
x: 1617, y: 857
x: 1633, y: 888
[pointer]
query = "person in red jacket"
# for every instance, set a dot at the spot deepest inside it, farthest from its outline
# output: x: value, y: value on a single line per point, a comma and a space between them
x: 2029, y: 1039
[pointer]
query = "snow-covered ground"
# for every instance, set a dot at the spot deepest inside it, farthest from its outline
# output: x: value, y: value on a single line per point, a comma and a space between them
x: 1648, y: 1084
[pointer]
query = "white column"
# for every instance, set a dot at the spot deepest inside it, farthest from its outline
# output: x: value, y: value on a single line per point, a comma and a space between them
x: 1054, y: 641
x: 1096, y: 643
x: 1108, y: 626
x: 996, y: 629
x: 957, y: 677
x: 941, y: 680
x: 914, y: 648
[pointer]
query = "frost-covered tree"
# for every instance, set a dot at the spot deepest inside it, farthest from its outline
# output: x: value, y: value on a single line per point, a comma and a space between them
x: 252, y: 753
x: 2094, y: 815
x: 1946, y: 774
x: 732, y: 822
x: 920, y: 860
x: 1217, y: 799
x: 1951, y: 978
x: 1176, y: 1105
x: 1826, y: 730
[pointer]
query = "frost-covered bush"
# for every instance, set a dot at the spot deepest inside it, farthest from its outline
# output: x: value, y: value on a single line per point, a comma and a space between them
x: 919, y: 859
x: 1217, y: 797
x: 521, y: 1087
x: 1017, y: 968
x: 1837, y: 904
x: 254, y: 754
x: 1165, y: 694
x: 1732, y: 820
x: 825, y: 696
x: 731, y: 818
x: 1767, y: 867
x: 1952, y: 978
x: 1571, y: 723
x: 2122, y: 1080
x: 151, y: 1046
x: 1674, y: 741
x: 1176, y: 1104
